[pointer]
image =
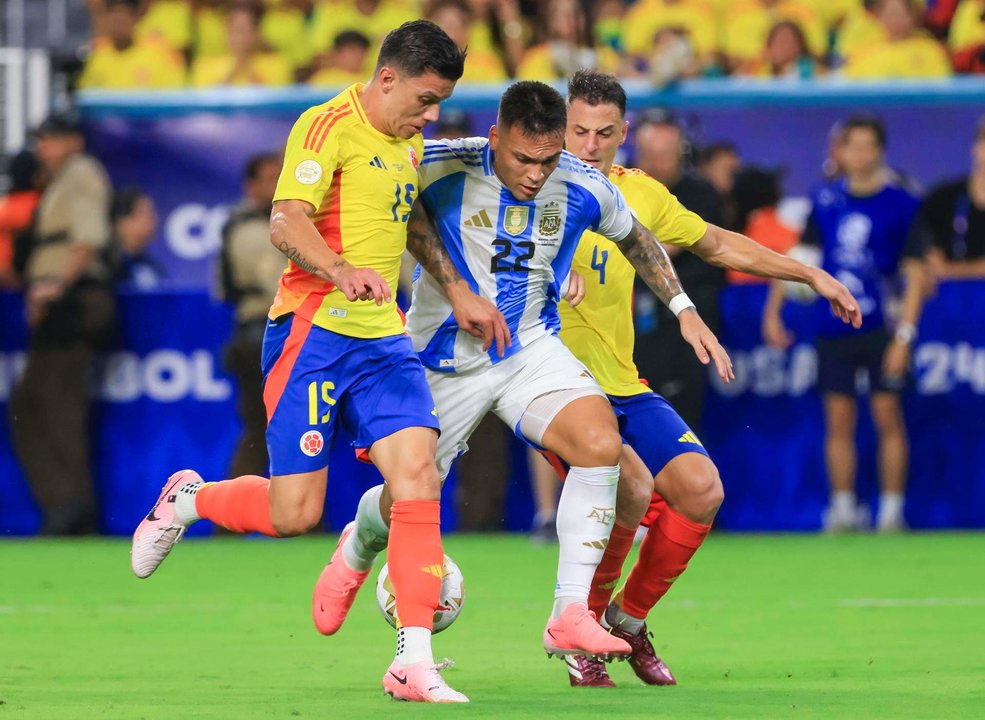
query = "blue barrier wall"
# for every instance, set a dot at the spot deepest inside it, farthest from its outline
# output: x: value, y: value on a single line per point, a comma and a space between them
x: 188, y: 149
x: 164, y: 404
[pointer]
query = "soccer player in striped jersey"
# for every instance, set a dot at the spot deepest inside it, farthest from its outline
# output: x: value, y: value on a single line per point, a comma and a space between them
x: 335, y: 351
x: 510, y: 211
x: 666, y: 473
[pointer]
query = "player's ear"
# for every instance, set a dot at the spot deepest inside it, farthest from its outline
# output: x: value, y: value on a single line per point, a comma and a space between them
x: 493, y: 137
x: 387, y: 77
x: 625, y: 131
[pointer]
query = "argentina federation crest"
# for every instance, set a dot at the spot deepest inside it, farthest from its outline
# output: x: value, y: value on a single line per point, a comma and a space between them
x: 550, y: 219
x: 515, y: 219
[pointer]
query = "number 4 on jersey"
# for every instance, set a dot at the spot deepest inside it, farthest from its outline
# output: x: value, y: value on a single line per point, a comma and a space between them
x: 600, y: 266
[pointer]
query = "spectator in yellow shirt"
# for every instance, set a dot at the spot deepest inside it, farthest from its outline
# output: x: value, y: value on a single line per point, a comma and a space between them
x: 908, y: 52
x: 120, y: 61
x: 345, y: 64
x: 168, y: 21
x: 694, y: 18
x: 373, y: 18
x: 210, y: 37
x: 482, y: 64
x: 747, y: 24
x: 860, y: 29
x: 786, y: 55
x: 248, y: 62
x: 290, y: 27
x: 568, y: 45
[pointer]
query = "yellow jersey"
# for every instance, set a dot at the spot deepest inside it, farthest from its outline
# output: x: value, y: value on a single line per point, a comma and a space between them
x: 919, y: 56
x: 599, y: 331
x: 147, y: 64
x: 362, y: 185
x: 266, y: 68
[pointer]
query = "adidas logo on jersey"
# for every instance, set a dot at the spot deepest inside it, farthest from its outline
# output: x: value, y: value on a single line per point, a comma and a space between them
x: 689, y: 437
x: 377, y: 163
x: 480, y: 219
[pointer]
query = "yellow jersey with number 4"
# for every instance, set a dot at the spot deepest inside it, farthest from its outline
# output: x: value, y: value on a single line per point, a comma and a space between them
x: 599, y: 331
x: 362, y: 185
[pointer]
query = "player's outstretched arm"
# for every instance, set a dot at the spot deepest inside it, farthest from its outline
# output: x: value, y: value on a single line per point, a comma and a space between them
x: 737, y: 252
x: 649, y: 258
x: 474, y: 314
x: 293, y: 233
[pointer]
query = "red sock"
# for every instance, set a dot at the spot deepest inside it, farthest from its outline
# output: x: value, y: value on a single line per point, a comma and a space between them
x: 416, y: 559
x: 241, y: 505
x: 664, y: 555
x: 608, y: 572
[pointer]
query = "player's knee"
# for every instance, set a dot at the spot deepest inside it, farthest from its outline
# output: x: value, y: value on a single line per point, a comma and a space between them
x: 417, y: 480
x: 299, y: 521
x: 704, y: 496
x: 598, y: 447
x: 888, y: 420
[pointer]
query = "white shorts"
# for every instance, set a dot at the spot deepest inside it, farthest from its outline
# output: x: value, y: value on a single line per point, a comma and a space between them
x: 507, y: 389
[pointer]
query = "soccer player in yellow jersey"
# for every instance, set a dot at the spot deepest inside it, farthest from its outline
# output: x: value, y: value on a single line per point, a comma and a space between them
x: 335, y: 350
x: 663, y: 466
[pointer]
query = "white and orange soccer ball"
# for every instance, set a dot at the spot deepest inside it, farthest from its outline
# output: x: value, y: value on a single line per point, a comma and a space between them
x: 452, y: 595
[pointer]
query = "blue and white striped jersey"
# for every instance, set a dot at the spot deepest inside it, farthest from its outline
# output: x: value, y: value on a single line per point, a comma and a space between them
x: 515, y: 253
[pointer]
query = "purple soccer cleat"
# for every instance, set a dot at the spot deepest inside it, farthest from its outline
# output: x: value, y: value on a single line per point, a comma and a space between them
x: 584, y: 671
x: 648, y: 667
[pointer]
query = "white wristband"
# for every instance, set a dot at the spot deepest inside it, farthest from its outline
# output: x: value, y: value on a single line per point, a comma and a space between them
x: 680, y: 303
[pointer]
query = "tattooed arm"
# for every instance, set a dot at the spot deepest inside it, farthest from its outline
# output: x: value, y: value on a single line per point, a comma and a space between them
x: 649, y: 258
x: 652, y: 264
x: 474, y: 314
x: 293, y: 233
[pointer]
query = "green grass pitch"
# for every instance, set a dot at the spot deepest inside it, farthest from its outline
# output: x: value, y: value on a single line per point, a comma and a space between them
x: 759, y: 627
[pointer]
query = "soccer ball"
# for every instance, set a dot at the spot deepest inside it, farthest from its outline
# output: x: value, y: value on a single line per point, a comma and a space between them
x: 452, y: 596
x: 798, y: 292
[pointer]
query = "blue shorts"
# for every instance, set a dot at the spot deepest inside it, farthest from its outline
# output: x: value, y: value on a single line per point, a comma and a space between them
x: 650, y: 426
x: 851, y: 364
x: 314, y: 379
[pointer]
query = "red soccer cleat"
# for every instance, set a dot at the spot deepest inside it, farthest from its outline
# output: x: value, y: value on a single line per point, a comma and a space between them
x: 584, y: 671
x: 648, y: 667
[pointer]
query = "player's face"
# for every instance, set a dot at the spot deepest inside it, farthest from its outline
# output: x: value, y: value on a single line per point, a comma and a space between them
x: 595, y: 132
x: 412, y: 102
x: 860, y: 152
x: 523, y: 163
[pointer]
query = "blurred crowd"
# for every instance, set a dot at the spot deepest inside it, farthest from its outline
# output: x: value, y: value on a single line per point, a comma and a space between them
x: 145, y: 44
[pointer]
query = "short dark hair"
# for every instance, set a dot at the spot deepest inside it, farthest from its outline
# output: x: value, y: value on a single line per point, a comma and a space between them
x: 256, y: 162
x: 124, y: 202
x: 865, y: 122
x: 597, y: 88
x: 350, y: 37
x: 420, y: 46
x: 535, y: 107
x: 712, y: 150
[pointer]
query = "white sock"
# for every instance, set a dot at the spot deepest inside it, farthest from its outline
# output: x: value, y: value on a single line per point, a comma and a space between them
x: 185, y: 511
x: 414, y: 646
x: 616, y: 617
x: 843, y: 503
x: 585, y: 515
x: 890, y: 506
x: 371, y: 534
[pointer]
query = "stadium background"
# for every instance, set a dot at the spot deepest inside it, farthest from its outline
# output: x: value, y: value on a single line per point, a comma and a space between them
x: 163, y: 398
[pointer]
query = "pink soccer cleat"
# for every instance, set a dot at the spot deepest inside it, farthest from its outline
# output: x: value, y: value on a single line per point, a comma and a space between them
x: 420, y: 682
x: 584, y: 671
x: 577, y: 632
x: 160, y: 530
x: 648, y: 667
x: 336, y: 589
